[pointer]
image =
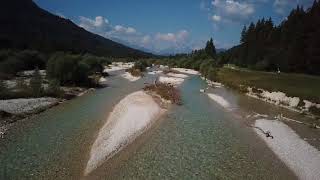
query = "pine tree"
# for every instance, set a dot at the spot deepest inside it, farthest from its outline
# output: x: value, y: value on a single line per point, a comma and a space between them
x: 293, y: 45
x: 243, y: 35
x: 210, y: 49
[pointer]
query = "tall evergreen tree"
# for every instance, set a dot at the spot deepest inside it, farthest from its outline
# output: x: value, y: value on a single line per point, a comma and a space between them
x: 243, y: 34
x: 210, y: 49
x: 292, y: 46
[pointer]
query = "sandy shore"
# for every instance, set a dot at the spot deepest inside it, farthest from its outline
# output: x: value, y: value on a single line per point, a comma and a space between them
x: 302, y: 158
x: 129, y: 77
x: 113, y: 68
x: 129, y: 119
x: 116, y: 66
x: 212, y: 83
x: 220, y: 100
x: 281, y: 99
x: 27, y: 106
x: 177, y: 75
x: 155, y: 72
x: 171, y: 80
x: 186, y: 71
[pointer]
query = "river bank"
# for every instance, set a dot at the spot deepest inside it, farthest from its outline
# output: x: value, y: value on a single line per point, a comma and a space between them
x: 296, y: 92
x: 16, y: 109
x: 293, y: 139
x: 13, y: 110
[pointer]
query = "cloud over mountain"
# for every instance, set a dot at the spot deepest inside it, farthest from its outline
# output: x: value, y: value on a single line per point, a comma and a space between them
x: 156, y: 42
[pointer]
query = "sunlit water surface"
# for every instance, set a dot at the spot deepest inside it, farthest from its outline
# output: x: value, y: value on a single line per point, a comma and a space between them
x: 198, y: 140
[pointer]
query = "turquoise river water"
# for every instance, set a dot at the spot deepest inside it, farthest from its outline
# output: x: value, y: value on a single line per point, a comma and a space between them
x: 198, y: 140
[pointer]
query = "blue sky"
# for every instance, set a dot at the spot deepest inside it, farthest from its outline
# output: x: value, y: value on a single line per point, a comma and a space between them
x: 175, y: 25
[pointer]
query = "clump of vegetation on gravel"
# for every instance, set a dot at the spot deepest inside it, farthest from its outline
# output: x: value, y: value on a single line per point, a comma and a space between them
x: 165, y: 91
x: 135, y: 72
x: 138, y: 68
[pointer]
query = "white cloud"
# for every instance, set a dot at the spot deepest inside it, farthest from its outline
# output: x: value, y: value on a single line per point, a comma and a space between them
x: 216, y: 18
x: 100, y: 21
x: 232, y: 10
x: 98, y: 25
x: 182, y: 35
x: 131, y: 30
x: 166, y: 37
x: 280, y: 6
x: 146, y: 39
x: 173, y: 37
x: 120, y: 33
x: 126, y: 30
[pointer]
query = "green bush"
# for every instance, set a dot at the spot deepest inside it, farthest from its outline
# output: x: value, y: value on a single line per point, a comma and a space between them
x: 67, y: 69
x: 12, y: 62
x: 11, y: 65
x: 54, y: 89
x: 141, y: 65
x: 71, y: 69
x: 96, y: 64
x: 36, y: 84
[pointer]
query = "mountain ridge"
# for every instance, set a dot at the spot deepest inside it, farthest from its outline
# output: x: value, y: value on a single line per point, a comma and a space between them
x: 24, y: 25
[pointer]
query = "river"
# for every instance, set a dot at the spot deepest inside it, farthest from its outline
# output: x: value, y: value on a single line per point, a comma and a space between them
x: 198, y: 140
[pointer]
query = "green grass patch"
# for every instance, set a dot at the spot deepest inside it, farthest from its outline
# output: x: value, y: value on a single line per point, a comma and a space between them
x: 298, y: 85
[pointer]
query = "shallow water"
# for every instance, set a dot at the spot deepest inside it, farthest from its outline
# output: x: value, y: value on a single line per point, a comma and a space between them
x: 56, y: 143
x: 198, y: 140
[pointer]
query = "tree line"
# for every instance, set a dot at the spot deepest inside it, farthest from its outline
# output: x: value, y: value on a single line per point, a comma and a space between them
x: 66, y: 67
x: 205, y: 60
x: 292, y: 46
x: 62, y: 69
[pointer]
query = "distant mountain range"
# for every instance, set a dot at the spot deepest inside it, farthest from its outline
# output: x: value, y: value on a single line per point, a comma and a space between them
x: 173, y: 51
x: 164, y: 52
x: 220, y: 50
x: 23, y: 25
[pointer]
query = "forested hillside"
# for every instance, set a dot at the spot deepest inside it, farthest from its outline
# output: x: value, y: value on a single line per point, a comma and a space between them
x: 26, y: 26
x: 292, y: 46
